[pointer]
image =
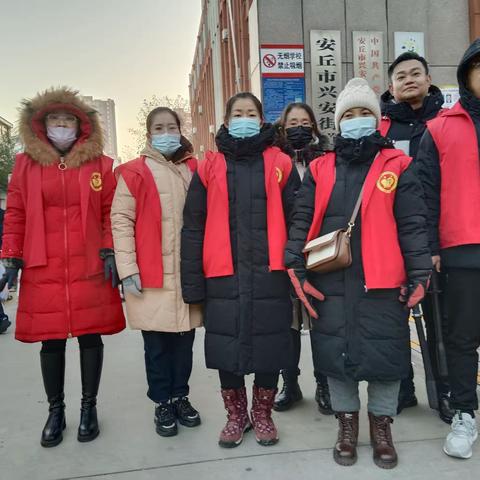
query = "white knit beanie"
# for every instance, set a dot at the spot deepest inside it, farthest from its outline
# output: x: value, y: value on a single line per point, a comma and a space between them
x: 356, y: 94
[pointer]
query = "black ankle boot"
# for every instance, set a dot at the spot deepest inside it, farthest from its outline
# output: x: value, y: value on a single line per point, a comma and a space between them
x: 53, y: 373
x: 91, y: 361
x: 290, y: 393
x: 322, y: 397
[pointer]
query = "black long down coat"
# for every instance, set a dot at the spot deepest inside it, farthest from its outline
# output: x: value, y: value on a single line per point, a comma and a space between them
x: 359, y: 334
x: 247, y: 315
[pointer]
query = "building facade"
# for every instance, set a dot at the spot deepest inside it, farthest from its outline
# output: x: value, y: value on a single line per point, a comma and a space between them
x: 5, y: 127
x: 335, y: 40
x: 106, y: 110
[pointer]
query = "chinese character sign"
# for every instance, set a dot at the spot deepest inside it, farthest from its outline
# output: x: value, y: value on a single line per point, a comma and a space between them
x: 409, y: 42
x: 326, y: 65
x: 368, y: 59
x: 281, y: 60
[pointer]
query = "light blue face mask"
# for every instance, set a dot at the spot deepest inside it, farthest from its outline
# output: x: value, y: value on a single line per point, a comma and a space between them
x: 166, y: 143
x: 358, y: 127
x: 242, y: 127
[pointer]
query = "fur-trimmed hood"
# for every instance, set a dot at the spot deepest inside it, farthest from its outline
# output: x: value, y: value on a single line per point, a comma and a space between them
x: 89, y: 144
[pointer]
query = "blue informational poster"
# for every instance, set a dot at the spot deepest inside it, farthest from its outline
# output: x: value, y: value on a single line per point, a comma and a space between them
x: 279, y: 92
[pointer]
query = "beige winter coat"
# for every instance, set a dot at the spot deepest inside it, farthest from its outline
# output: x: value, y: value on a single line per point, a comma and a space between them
x: 158, y: 309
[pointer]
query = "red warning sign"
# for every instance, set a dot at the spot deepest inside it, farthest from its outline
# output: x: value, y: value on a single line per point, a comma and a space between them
x: 269, y: 60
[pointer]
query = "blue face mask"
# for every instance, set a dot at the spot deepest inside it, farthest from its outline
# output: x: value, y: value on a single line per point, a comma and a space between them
x: 166, y: 143
x: 242, y: 127
x: 358, y: 127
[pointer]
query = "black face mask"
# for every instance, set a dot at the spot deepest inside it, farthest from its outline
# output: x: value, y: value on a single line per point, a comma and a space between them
x: 299, y: 137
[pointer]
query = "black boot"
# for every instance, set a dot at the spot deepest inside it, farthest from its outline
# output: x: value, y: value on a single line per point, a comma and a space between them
x: 91, y: 361
x: 322, y: 397
x: 53, y: 373
x: 289, y: 394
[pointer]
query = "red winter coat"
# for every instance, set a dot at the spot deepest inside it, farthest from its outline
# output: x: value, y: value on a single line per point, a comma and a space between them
x: 57, y: 221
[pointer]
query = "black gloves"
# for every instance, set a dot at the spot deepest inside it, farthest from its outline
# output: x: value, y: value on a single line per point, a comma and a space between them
x: 12, y: 267
x: 109, y: 266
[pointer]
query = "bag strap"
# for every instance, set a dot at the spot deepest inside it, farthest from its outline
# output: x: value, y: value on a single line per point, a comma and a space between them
x: 351, y: 223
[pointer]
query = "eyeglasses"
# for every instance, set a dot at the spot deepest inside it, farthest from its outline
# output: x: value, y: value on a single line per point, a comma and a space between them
x: 62, y: 117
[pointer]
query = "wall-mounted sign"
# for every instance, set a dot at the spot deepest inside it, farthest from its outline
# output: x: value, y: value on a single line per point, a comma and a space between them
x: 368, y: 59
x: 409, y: 42
x: 282, y: 60
x: 283, y: 78
x: 326, y: 66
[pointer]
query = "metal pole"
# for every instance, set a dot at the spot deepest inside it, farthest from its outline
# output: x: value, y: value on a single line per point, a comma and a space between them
x: 234, y: 46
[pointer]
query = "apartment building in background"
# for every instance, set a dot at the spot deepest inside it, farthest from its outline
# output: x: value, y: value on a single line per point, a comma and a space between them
x: 5, y: 127
x: 106, y: 110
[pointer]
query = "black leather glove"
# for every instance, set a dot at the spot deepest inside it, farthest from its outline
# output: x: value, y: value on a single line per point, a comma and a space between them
x: 109, y: 266
x: 12, y: 267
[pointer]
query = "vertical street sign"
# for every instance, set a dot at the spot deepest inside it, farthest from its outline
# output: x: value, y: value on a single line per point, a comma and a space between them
x: 326, y: 66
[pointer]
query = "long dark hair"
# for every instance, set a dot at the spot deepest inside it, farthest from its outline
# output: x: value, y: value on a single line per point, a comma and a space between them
x: 238, y: 96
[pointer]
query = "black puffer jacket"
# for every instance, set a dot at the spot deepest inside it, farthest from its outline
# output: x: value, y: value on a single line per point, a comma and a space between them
x: 247, y: 315
x: 358, y: 334
x: 407, y: 124
x: 428, y: 165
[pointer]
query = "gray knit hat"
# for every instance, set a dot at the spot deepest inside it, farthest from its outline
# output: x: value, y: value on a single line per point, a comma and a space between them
x: 356, y: 94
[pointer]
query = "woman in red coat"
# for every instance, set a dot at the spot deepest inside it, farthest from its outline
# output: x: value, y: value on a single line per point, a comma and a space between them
x: 57, y: 230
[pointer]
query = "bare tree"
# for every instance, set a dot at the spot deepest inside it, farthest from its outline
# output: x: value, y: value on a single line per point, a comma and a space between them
x: 179, y: 104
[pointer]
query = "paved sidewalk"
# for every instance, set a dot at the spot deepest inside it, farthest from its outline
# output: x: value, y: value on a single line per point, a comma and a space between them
x: 129, y: 448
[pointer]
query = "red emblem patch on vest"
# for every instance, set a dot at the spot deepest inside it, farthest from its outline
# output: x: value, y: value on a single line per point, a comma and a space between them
x: 279, y: 174
x: 387, y: 182
x: 96, y: 181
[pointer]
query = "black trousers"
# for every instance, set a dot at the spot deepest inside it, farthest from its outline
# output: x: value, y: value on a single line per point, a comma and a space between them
x: 168, y: 364
x: 407, y: 387
x: 463, y: 312
x: 84, y: 341
x: 229, y: 380
x: 291, y: 373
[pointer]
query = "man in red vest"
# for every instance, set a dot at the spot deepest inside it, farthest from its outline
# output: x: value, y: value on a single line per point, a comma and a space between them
x: 410, y: 101
x: 449, y: 168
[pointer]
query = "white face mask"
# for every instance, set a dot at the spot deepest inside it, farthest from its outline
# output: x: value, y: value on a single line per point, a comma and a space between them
x: 62, y: 137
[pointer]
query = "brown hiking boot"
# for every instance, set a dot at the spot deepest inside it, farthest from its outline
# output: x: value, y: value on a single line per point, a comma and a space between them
x: 238, y: 422
x: 384, y: 454
x: 345, y: 450
x: 265, y: 430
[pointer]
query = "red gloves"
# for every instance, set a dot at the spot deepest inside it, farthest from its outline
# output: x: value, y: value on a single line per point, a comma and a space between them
x: 303, y: 288
x: 415, y: 292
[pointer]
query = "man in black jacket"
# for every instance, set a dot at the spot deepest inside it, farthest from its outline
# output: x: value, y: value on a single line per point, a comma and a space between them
x: 407, y: 105
x: 449, y: 168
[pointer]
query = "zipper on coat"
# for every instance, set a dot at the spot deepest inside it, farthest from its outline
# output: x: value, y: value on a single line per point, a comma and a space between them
x: 62, y: 167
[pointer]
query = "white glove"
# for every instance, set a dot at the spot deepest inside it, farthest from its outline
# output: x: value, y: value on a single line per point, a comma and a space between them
x: 132, y: 285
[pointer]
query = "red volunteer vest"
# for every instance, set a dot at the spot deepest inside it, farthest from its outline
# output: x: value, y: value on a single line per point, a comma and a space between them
x: 217, y: 248
x: 382, y: 258
x: 148, y: 224
x: 456, y: 140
